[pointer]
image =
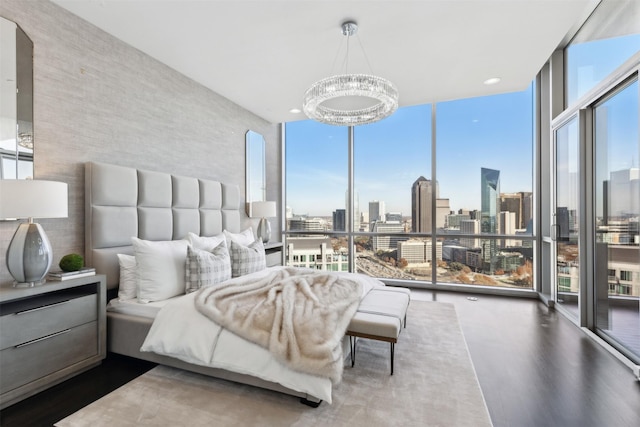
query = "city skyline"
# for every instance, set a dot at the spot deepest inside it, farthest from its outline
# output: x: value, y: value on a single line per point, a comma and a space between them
x: 492, y: 132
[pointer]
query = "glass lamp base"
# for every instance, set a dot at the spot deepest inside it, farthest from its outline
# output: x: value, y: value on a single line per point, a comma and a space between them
x: 29, y: 255
x: 28, y: 284
x: 264, y: 230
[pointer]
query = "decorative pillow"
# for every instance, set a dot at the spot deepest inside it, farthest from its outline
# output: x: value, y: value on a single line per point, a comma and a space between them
x: 161, y: 267
x: 204, y: 268
x: 247, y: 259
x: 206, y: 243
x: 245, y: 238
x: 128, y: 287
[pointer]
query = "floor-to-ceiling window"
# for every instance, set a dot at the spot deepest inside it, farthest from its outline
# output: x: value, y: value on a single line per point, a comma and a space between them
x: 469, y: 223
x: 484, y: 168
x: 389, y: 158
x: 316, y: 186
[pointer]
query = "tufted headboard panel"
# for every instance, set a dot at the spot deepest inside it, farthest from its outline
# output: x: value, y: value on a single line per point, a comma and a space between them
x: 122, y: 202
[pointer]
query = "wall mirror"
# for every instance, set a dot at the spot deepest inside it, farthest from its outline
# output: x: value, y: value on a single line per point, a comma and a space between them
x: 16, y: 102
x: 255, y: 169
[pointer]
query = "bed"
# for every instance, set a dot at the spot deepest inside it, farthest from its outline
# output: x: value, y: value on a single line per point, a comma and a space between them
x: 121, y: 203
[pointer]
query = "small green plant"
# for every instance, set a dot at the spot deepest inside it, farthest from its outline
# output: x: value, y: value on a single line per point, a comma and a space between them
x: 71, y: 262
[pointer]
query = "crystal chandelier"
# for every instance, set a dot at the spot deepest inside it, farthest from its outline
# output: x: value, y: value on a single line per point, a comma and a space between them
x: 362, y: 98
x: 25, y: 140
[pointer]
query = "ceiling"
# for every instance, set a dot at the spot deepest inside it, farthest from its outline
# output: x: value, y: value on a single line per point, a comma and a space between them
x: 264, y: 54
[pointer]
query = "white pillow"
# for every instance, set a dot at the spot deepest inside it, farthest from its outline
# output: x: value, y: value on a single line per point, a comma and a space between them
x: 245, y: 238
x: 128, y: 287
x: 160, y: 268
x: 205, y: 243
x: 206, y: 268
x: 247, y: 259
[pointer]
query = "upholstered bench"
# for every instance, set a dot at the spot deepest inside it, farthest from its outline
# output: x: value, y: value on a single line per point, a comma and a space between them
x: 381, y: 316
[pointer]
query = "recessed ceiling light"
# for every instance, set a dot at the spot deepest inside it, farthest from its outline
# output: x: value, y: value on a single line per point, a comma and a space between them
x: 295, y: 111
x: 492, y: 81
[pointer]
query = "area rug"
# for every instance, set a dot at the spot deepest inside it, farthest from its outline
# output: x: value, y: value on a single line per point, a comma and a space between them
x: 434, y: 384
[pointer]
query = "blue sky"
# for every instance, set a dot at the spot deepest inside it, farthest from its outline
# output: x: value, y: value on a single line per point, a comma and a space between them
x: 493, y: 132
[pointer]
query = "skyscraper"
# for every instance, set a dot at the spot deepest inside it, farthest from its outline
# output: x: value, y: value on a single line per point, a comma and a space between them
x: 489, y: 217
x: 508, y: 226
x: 442, y: 212
x: 339, y: 220
x: 356, y: 211
x: 470, y: 226
x: 421, y: 197
x: 376, y: 211
x: 519, y: 203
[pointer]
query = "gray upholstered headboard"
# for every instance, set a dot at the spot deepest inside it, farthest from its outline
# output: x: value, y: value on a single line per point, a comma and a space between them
x: 122, y: 202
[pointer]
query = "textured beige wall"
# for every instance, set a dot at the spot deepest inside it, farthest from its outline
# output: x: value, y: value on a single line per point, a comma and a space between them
x: 99, y: 99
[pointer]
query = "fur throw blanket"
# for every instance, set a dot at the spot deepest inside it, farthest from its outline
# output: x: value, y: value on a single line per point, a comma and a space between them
x: 299, y: 315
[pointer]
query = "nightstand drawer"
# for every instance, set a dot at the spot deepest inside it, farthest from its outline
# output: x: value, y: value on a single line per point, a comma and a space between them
x: 274, y: 258
x: 30, y: 361
x: 42, y: 320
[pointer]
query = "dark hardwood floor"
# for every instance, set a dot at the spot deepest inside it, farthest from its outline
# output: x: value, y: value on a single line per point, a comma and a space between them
x: 52, y: 405
x: 535, y: 368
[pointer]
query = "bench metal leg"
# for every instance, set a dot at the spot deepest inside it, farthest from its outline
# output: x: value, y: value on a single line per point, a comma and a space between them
x: 392, y: 348
x: 352, y: 345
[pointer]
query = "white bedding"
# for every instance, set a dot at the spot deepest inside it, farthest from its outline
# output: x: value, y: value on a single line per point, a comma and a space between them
x: 135, y: 308
x: 180, y: 331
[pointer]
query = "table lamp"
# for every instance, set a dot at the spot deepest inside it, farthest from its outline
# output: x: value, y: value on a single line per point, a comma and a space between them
x: 263, y: 210
x: 29, y: 255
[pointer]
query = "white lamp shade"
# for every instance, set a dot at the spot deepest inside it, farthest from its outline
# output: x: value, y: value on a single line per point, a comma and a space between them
x: 263, y: 209
x: 26, y: 198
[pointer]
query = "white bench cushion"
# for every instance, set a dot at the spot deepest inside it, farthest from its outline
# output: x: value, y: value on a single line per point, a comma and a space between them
x: 381, y: 312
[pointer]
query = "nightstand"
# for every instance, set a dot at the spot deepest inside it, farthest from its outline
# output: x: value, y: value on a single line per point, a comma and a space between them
x: 273, y: 251
x: 49, y: 333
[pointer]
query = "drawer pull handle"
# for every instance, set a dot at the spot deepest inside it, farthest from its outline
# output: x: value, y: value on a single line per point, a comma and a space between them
x: 31, y: 310
x: 46, y: 337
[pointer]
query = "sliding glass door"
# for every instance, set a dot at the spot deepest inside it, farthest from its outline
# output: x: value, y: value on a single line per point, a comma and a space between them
x: 566, y: 216
x: 617, y: 208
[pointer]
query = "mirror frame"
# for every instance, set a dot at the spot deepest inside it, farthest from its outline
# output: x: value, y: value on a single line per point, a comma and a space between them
x: 17, y: 107
x: 255, y: 168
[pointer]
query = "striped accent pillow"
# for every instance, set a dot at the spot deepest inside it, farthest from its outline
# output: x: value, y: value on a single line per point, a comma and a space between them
x: 204, y: 268
x: 247, y: 259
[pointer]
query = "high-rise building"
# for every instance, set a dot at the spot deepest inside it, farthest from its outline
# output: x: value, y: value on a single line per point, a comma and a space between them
x: 364, y: 219
x: 623, y: 194
x: 508, y: 226
x: 356, y: 211
x: 302, y: 223
x: 316, y: 252
x: 394, y: 217
x: 421, y: 198
x: 388, y: 242
x: 376, y: 211
x: 527, y: 211
x: 442, y: 211
x: 490, y: 219
x: 519, y: 203
x: 339, y: 220
x: 453, y: 220
x: 418, y: 250
x: 470, y: 226
x: 423, y: 192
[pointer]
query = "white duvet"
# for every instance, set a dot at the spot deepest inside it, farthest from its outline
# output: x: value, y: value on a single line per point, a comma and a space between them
x: 180, y: 331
